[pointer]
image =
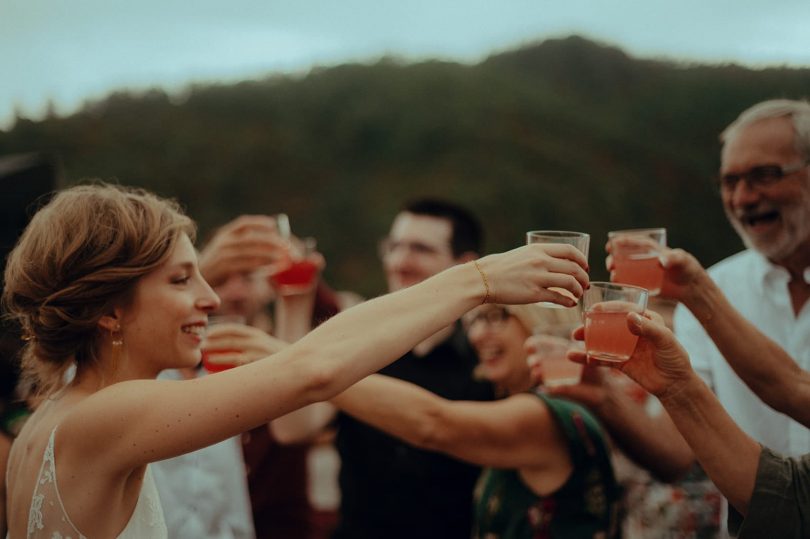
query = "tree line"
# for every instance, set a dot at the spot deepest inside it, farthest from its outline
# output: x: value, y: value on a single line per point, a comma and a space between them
x: 564, y: 133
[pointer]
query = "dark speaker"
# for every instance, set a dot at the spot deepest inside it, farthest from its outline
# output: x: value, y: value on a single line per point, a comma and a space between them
x: 26, y: 182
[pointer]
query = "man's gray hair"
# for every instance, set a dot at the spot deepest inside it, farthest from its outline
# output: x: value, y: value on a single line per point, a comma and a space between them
x: 797, y: 111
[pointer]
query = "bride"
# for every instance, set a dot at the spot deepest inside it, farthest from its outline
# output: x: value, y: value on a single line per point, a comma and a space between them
x: 104, y: 281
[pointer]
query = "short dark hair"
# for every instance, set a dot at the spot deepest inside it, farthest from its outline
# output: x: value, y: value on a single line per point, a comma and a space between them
x: 467, y: 233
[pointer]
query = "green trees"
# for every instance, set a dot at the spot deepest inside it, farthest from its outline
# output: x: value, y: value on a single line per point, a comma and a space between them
x: 562, y: 134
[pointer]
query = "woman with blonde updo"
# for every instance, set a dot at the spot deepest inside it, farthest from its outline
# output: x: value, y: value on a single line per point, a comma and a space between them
x: 105, y: 284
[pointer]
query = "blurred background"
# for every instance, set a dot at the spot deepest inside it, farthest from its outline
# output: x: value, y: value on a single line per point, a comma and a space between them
x: 586, y: 116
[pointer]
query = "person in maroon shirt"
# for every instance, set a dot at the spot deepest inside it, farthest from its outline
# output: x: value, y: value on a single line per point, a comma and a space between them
x: 277, y: 473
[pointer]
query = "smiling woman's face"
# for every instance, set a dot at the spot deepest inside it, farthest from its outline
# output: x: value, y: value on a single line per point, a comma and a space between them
x: 163, y: 325
x: 498, y: 339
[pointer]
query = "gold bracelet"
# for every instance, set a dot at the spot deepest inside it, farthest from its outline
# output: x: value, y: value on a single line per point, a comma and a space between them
x: 484, y: 278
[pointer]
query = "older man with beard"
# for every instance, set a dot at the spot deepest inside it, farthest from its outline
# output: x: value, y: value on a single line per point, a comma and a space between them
x: 765, y: 189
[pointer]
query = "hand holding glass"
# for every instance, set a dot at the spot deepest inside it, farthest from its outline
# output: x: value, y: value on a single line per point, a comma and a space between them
x: 606, y: 305
x: 550, y: 350
x: 635, y: 257
x: 300, y: 272
x: 580, y: 240
x: 297, y: 273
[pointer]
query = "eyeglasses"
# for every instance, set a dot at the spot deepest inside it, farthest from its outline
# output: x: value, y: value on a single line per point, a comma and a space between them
x: 388, y: 246
x: 759, y: 176
x: 494, y: 318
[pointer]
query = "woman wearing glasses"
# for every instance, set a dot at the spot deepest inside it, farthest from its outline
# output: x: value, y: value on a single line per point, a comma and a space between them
x: 548, y: 470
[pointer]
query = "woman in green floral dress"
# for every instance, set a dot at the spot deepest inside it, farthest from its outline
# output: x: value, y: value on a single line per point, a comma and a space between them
x: 547, y: 461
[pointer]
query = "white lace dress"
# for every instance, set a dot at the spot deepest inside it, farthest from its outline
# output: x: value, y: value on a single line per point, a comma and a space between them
x: 48, y: 519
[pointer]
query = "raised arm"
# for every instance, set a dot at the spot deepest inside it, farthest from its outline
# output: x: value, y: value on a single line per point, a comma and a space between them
x: 246, y: 344
x: 728, y: 455
x: 653, y: 442
x: 762, y: 364
x: 242, y: 245
x: 515, y: 432
x: 294, y: 320
x: 142, y: 421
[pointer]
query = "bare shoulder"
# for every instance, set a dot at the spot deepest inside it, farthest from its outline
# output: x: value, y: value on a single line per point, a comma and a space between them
x: 529, y: 401
x: 529, y: 410
x: 537, y: 416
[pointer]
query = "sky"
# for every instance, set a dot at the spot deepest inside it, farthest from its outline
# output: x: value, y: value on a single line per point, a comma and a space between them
x: 68, y: 51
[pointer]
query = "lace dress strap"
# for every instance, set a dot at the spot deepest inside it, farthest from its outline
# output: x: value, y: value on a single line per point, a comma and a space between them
x: 47, y: 517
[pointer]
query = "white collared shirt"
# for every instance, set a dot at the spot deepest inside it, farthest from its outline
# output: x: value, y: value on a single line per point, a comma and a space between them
x: 759, y: 290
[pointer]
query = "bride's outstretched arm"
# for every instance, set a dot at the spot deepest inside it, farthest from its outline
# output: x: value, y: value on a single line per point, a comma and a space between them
x: 143, y: 421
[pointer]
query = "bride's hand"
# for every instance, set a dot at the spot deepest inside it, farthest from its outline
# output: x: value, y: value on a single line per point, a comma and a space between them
x: 526, y: 274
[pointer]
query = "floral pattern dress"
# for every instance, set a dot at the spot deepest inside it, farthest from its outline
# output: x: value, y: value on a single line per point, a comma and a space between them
x: 585, y: 506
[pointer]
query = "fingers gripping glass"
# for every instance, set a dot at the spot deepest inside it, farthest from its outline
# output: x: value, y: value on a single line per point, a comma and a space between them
x: 759, y: 176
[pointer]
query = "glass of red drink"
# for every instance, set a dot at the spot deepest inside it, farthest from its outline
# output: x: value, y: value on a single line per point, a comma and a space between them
x: 213, y: 355
x: 580, y: 240
x: 635, y: 257
x: 605, y: 308
x: 299, y: 275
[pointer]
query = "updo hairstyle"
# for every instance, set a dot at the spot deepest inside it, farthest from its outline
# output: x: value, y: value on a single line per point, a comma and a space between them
x: 79, y: 257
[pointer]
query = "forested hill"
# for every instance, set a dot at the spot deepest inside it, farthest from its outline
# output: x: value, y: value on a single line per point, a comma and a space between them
x: 565, y: 133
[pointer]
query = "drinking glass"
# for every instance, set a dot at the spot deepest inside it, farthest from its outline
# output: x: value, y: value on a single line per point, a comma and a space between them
x: 635, y: 257
x: 580, y: 240
x: 282, y: 222
x: 209, y: 359
x: 299, y: 275
x: 605, y: 306
x: 551, y: 344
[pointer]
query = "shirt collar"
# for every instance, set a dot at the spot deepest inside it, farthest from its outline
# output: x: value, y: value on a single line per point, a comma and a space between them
x: 769, y: 274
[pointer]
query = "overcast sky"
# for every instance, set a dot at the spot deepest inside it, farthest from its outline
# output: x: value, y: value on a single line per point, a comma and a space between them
x: 71, y: 50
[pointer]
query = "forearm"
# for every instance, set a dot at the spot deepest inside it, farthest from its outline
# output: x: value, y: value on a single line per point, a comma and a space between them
x: 302, y: 425
x: 762, y: 364
x: 326, y: 361
x: 293, y: 317
x: 398, y: 408
x: 652, y: 442
x: 728, y: 455
x: 367, y: 337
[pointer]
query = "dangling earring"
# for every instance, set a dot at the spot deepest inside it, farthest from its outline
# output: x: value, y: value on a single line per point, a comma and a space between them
x: 117, y: 343
x: 117, y: 338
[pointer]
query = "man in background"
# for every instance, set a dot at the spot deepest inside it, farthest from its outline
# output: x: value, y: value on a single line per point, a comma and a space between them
x: 389, y: 488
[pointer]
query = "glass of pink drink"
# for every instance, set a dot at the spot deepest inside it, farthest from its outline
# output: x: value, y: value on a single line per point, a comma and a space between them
x: 551, y: 351
x: 212, y: 358
x: 580, y: 240
x: 605, y: 309
x: 635, y: 257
